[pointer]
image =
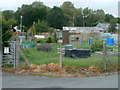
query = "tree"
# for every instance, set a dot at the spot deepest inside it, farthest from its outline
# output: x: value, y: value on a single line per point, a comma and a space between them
x: 91, y: 20
x: 41, y: 26
x: 113, y: 24
x: 69, y: 12
x: 86, y: 12
x: 118, y: 19
x: 31, y: 14
x: 108, y: 17
x: 8, y: 14
x: 6, y: 32
x: 37, y: 4
x: 78, y: 17
x: 55, y: 18
x: 100, y: 15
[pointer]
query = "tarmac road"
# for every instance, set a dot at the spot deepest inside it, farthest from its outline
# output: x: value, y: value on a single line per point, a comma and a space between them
x: 21, y: 81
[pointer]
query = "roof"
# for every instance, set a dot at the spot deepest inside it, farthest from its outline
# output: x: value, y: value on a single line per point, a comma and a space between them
x: 80, y: 29
x: 103, y: 26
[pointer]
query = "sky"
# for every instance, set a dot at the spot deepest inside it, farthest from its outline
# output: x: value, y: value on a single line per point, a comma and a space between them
x: 109, y: 6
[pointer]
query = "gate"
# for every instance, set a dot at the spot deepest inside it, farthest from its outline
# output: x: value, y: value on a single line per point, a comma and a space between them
x: 10, y: 54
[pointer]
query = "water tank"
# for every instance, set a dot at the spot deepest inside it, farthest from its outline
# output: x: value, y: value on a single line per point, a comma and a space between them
x: 68, y: 47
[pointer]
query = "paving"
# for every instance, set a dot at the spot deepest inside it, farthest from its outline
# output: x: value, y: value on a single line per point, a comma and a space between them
x: 22, y: 81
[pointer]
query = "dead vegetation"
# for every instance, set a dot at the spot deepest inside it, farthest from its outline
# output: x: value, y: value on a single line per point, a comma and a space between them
x: 56, y: 69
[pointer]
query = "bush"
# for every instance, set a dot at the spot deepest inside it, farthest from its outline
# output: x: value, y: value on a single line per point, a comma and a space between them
x: 41, y: 41
x: 49, y: 40
x: 97, y: 46
x: 44, y: 47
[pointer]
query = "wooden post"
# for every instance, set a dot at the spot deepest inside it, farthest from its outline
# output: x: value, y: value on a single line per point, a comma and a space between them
x: 60, y: 57
x: 105, y: 55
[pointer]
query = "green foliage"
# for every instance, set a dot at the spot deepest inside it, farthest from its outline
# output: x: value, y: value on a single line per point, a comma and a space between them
x: 97, y: 46
x: 41, y: 26
x: 41, y: 41
x: 113, y: 24
x: 69, y: 12
x: 31, y: 14
x: 108, y: 17
x: 87, y: 11
x: 56, y: 18
x: 46, y: 40
x: 100, y: 15
x: 8, y: 14
x: 37, y: 4
x: 78, y: 20
x: 6, y: 33
x: 40, y: 57
x: 83, y: 47
x: 49, y: 40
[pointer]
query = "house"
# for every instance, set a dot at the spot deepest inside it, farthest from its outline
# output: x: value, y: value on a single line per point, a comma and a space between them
x: 73, y: 35
x: 104, y: 27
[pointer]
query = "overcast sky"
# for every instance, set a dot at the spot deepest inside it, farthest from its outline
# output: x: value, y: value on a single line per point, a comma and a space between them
x: 109, y: 6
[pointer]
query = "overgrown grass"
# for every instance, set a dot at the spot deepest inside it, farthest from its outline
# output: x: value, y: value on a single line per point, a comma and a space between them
x: 40, y: 57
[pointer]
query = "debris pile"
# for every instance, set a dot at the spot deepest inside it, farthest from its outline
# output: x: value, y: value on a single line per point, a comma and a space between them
x: 50, y: 68
x: 95, y: 69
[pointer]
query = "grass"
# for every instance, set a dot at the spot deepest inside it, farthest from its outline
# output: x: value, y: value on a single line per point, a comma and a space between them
x: 40, y: 57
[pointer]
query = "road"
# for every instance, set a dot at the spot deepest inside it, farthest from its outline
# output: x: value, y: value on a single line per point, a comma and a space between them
x: 21, y: 81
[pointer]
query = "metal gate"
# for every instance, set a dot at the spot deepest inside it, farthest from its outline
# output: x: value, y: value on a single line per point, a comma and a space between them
x: 9, y: 54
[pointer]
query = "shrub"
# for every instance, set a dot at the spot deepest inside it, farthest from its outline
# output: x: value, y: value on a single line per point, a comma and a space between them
x: 44, y: 47
x: 41, y: 41
x: 49, y: 40
x: 97, y: 46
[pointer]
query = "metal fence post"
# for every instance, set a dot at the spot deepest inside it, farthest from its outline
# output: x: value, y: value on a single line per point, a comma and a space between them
x: 14, y: 54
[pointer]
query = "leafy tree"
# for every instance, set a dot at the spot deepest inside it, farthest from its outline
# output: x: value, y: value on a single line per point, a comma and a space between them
x: 113, y: 24
x: 78, y: 17
x: 31, y: 14
x: 50, y: 30
x: 108, y: 17
x: 91, y: 20
x: 69, y: 12
x: 37, y: 4
x: 100, y: 15
x: 86, y: 12
x: 118, y: 19
x: 6, y: 32
x: 8, y: 14
x: 56, y: 18
x: 41, y: 26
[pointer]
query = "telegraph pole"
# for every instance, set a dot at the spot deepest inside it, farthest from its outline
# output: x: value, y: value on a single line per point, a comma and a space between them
x: 21, y: 23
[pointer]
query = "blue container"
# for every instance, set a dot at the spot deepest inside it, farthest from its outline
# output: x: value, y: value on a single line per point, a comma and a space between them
x: 110, y: 41
x: 31, y: 45
x: 90, y: 42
